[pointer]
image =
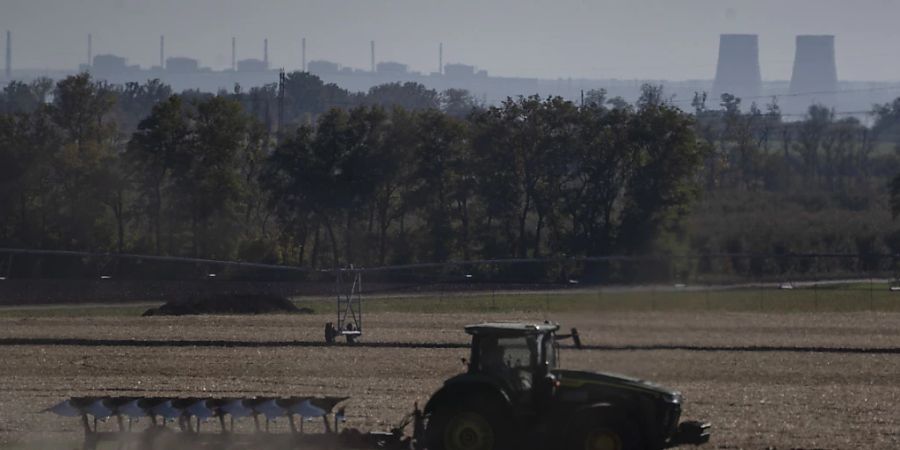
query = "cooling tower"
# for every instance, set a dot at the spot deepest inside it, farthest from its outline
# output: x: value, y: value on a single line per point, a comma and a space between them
x: 815, y: 70
x: 738, y: 70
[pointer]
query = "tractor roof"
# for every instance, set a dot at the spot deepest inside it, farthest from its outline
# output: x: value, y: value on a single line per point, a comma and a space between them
x: 517, y: 328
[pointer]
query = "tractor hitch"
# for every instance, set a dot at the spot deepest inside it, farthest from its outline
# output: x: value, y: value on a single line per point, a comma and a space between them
x: 690, y: 433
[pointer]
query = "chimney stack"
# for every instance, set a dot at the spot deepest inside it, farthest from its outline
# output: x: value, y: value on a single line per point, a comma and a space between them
x: 162, y: 52
x: 372, y: 43
x: 90, y: 60
x: 303, y: 51
x: 233, y: 53
x: 8, y: 55
x: 266, y: 52
x: 738, y: 70
x: 441, y: 58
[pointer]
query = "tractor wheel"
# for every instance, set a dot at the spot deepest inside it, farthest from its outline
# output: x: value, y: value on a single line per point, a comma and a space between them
x: 473, y: 424
x: 606, y: 434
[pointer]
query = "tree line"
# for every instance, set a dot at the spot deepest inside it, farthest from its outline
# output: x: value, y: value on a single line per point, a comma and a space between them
x: 322, y: 177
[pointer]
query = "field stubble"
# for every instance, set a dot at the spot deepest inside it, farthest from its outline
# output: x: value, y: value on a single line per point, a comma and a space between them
x: 755, y: 399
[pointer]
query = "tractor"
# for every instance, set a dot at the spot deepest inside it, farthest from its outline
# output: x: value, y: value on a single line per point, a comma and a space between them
x: 513, y: 395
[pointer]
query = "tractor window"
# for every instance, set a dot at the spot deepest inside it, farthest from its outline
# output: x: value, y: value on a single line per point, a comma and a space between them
x: 511, y: 358
x: 518, y: 352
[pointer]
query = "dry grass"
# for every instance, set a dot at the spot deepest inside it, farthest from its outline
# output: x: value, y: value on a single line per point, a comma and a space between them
x: 755, y: 399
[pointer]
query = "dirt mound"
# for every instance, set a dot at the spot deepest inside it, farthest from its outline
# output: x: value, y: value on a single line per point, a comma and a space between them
x: 229, y: 304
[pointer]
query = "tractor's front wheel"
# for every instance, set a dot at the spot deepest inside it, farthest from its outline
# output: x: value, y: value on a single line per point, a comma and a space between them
x: 474, y: 424
x: 605, y: 434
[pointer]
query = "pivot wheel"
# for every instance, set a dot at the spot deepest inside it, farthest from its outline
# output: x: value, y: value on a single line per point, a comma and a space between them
x: 468, y: 431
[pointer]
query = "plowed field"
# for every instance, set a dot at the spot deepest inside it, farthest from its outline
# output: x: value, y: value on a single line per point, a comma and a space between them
x: 787, y: 380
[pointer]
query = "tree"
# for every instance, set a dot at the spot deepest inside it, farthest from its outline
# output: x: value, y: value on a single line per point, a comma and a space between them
x: 81, y: 109
x: 810, y: 135
x: 458, y: 103
x: 665, y: 157
x: 154, y: 152
x: 327, y: 173
x: 410, y: 96
x: 307, y: 96
x: 207, y: 176
x: 443, y: 184
x: 135, y: 101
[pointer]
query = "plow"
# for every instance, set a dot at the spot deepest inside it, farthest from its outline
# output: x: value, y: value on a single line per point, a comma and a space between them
x: 159, y: 423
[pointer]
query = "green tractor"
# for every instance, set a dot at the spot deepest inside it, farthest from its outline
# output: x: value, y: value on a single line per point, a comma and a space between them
x: 514, y: 396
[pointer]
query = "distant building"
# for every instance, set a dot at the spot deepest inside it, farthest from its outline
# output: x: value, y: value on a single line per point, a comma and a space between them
x: 109, y: 63
x: 459, y: 70
x: 392, y: 68
x: 182, y: 65
x: 252, y: 65
x: 320, y: 67
x: 112, y: 67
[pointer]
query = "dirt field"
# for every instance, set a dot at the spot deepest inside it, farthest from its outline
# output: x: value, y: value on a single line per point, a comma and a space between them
x: 738, y: 370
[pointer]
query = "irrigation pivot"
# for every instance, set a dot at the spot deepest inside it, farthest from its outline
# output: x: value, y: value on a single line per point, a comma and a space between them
x: 348, y: 288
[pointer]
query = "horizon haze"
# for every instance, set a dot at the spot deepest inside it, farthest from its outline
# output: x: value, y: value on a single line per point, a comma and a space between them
x: 653, y: 39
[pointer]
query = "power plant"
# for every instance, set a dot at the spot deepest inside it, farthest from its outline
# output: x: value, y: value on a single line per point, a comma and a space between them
x: 738, y: 70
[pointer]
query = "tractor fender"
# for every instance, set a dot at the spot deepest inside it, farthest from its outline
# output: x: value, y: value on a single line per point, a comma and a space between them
x: 596, y: 410
x: 467, y: 384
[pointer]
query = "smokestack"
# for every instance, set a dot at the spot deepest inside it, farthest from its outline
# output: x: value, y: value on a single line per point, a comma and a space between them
x: 8, y: 55
x: 303, y: 51
x: 162, y: 52
x: 815, y: 69
x: 233, y: 53
x: 90, y: 61
x: 373, y: 56
x: 738, y: 70
x: 441, y: 58
x: 266, y: 52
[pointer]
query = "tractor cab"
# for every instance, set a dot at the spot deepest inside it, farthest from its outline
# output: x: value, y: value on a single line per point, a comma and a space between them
x: 518, y: 356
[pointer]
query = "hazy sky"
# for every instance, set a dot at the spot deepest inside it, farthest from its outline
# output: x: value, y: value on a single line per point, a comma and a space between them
x: 660, y: 39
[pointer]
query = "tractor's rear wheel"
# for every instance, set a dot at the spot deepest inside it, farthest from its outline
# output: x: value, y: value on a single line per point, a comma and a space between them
x: 473, y: 424
x: 605, y: 434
